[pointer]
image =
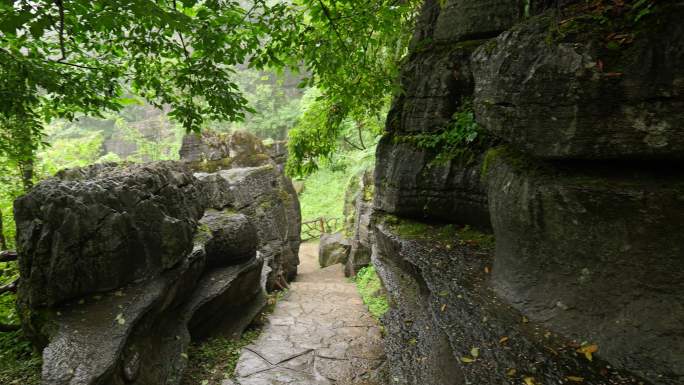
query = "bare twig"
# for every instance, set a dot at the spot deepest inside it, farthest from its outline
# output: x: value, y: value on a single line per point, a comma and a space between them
x: 7, y: 256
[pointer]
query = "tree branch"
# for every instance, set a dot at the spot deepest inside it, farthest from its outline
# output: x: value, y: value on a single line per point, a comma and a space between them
x: 10, y: 287
x: 326, y: 12
x: 9, y: 328
x: 60, y: 5
x: 7, y: 256
x: 180, y: 35
x: 352, y: 144
x: 359, y: 127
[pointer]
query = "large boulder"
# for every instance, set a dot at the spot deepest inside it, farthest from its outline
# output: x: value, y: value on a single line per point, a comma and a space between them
x: 249, y: 178
x: 580, y: 90
x: 592, y: 254
x: 333, y: 249
x: 358, y: 212
x: 467, y: 19
x: 437, y: 81
x: 265, y: 196
x: 135, y: 327
x: 90, y: 230
x: 230, y: 238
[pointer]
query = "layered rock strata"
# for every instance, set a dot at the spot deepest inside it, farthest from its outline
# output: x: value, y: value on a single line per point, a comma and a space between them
x: 580, y: 184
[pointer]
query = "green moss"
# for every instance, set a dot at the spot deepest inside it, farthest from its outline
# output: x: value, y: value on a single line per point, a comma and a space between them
x: 368, y: 192
x: 370, y: 288
x: 210, y: 166
x: 447, y: 234
x: 489, y: 157
x: 517, y: 160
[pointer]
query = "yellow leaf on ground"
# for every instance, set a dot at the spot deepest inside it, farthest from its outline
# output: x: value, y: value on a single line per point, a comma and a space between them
x: 467, y: 360
x: 575, y: 379
x: 475, y: 352
x: 511, y: 372
x: 443, y: 307
x: 503, y: 340
x: 588, y: 350
x: 529, y: 381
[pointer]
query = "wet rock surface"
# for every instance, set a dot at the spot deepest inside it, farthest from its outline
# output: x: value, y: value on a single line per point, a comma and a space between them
x: 440, y: 285
x: 408, y: 183
x: 585, y: 252
x: 320, y: 333
x: 589, y: 113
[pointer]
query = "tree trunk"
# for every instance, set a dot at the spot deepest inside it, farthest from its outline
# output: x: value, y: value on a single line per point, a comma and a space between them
x: 3, y: 243
x: 26, y: 168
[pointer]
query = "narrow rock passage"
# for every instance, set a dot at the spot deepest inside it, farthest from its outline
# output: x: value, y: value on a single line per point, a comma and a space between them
x: 319, y: 334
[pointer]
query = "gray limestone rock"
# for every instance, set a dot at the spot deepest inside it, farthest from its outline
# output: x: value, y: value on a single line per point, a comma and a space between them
x: 409, y: 183
x: 590, y: 253
x: 229, y: 238
x: 358, y: 212
x: 333, y: 249
x: 563, y: 93
x: 446, y: 326
x: 467, y: 19
x: 267, y: 198
x: 94, y: 229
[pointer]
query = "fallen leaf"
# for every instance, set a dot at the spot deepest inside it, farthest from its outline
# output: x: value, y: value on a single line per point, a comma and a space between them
x: 511, y: 372
x: 487, y: 269
x: 529, y: 381
x: 525, y: 320
x: 588, y: 350
x: 475, y: 352
x: 503, y: 340
x: 467, y: 360
x: 575, y: 378
x: 443, y: 307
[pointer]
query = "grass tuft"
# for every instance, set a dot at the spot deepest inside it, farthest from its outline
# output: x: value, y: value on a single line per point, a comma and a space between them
x: 369, y: 286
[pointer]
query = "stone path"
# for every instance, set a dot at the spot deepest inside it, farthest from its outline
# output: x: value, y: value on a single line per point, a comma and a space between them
x: 319, y: 334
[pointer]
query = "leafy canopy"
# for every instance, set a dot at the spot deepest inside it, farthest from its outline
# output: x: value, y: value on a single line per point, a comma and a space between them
x: 353, y: 50
x: 63, y: 58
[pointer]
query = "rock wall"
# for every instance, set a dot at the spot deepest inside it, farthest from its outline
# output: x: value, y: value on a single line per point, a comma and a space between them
x: 123, y: 265
x: 580, y: 181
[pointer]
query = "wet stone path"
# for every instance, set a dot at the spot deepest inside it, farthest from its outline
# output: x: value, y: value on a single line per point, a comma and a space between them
x: 319, y: 334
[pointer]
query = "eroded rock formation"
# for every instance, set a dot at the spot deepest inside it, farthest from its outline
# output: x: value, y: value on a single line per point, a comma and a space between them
x: 122, y: 266
x: 580, y: 181
x: 242, y: 175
